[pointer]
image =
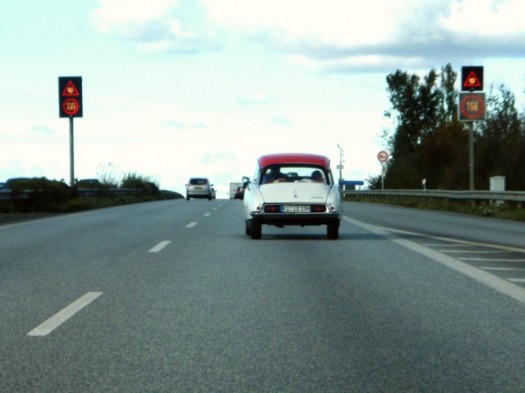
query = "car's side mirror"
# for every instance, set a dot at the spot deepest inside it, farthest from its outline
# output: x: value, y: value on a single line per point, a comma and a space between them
x: 246, y: 179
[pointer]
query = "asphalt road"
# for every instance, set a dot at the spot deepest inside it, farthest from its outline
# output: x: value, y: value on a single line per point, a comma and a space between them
x: 174, y: 297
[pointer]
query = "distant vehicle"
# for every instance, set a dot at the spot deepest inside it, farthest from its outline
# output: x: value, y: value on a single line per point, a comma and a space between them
x: 199, y: 187
x: 234, y: 186
x: 237, y: 194
x: 292, y: 189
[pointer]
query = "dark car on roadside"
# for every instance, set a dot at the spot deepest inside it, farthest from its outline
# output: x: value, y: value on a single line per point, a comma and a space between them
x: 237, y: 193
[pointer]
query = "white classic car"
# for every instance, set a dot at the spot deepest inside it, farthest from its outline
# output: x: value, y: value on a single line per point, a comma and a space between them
x: 292, y: 189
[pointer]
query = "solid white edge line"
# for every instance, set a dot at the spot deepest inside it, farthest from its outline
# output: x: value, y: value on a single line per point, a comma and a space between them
x: 160, y: 246
x: 499, y: 284
x: 63, y: 315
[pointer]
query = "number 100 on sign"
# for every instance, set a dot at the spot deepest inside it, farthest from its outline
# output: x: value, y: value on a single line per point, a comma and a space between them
x: 471, y: 106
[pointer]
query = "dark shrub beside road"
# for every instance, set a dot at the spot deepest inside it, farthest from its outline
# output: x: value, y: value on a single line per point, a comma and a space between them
x: 41, y: 195
x: 37, y: 194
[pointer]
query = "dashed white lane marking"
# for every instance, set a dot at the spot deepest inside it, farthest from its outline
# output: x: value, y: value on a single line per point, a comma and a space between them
x: 62, y: 316
x: 207, y: 214
x: 160, y: 246
x: 191, y: 225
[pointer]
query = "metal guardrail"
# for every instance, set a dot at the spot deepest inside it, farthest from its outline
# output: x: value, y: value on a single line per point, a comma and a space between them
x: 8, y: 195
x: 508, y: 196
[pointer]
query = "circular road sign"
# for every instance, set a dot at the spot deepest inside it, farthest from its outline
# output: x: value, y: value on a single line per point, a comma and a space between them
x: 472, y: 107
x: 382, y: 156
x: 71, y: 106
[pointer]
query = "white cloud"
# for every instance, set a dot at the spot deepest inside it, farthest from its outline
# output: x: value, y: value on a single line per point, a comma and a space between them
x: 335, y: 21
x: 155, y: 25
x: 122, y: 15
x: 330, y: 35
x: 256, y: 97
x: 365, y: 63
x: 485, y: 18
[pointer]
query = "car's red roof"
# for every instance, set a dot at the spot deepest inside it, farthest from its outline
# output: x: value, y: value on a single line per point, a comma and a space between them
x: 294, y: 158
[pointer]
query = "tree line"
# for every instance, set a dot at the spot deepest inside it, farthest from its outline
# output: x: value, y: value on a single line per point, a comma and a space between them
x: 428, y: 141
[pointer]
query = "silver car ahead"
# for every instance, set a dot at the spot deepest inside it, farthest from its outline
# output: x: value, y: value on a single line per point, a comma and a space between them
x: 199, y: 187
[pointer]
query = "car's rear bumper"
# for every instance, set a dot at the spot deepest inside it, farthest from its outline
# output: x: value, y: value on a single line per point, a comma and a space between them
x: 302, y: 219
x: 205, y: 195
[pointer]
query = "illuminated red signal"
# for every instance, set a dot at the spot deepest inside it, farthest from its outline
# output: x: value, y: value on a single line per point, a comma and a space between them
x: 70, y: 96
x: 472, y: 78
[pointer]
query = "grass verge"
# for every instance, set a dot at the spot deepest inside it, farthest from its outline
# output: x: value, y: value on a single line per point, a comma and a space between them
x: 504, y: 212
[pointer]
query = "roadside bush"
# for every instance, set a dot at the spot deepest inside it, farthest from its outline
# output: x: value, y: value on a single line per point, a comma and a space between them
x: 44, y: 194
x: 90, y: 183
x: 134, y: 181
x: 40, y: 195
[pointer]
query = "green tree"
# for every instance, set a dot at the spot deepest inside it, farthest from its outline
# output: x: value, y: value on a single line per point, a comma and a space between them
x: 445, y: 159
x: 501, y: 142
x: 429, y: 142
x: 422, y: 109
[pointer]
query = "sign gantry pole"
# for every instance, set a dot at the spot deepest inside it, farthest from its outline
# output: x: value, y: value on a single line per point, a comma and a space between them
x: 471, y: 156
x: 71, y: 153
x: 471, y: 107
x: 70, y: 106
x: 383, y: 157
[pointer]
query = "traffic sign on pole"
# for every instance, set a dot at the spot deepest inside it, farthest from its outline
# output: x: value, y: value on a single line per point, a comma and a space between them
x: 471, y: 78
x: 70, y: 96
x: 70, y: 106
x: 382, y: 156
x: 471, y: 106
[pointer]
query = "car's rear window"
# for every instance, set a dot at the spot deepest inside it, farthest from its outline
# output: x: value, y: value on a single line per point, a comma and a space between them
x: 198, y: 182
x: 293, y: 173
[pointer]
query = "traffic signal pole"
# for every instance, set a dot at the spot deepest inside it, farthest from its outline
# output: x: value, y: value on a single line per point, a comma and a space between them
x: 71, y: 153
x: 70, y: 106
x: 471, y: 108
x: 471, y: 155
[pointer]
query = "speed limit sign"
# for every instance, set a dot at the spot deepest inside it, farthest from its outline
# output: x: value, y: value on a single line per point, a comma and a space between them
x: 382, y: 156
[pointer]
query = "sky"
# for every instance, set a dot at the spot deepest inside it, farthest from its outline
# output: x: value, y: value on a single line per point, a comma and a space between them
x: 174, y: 89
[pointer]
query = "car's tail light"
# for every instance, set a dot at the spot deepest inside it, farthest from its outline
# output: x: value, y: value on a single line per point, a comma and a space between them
x: 271, y: 208
x: 318, y: 208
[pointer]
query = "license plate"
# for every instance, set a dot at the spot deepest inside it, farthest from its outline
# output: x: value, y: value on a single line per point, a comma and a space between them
x: 295, y: 209
x: 198, y: 188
